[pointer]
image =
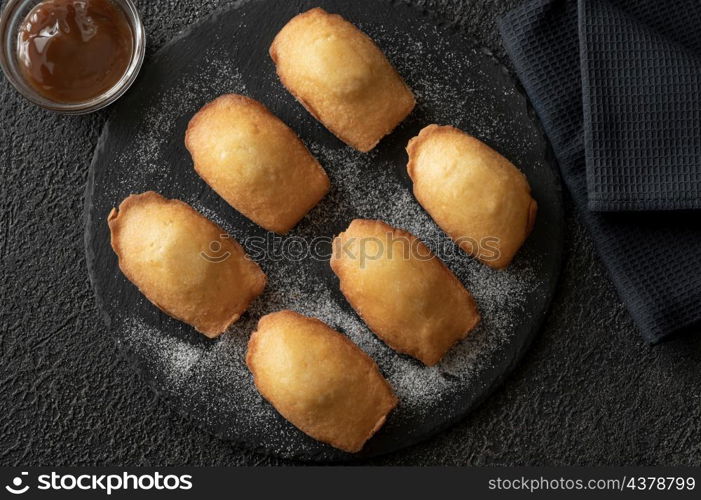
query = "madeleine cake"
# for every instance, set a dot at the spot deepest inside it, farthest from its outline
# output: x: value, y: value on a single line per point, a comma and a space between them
x: 255, y: 162
x: 478, y: 197
x: 404, y: 293
x: 183, y: 263
x: 343, y: 79
x: 319, y: 380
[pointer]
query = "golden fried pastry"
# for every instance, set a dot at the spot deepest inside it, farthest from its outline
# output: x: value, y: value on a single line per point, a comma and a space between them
x: 404, y: 293
x: 255, y: 162
x: 472, y: 192
x: 183, y: 263
x: 343, y: 79
x: 319, y: 380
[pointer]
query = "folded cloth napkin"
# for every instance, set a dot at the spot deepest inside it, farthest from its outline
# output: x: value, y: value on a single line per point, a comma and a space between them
x: 641, y: 84
x: 653, y: 257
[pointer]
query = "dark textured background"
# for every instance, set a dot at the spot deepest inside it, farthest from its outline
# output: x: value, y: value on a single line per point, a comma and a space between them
x: 588, y: 392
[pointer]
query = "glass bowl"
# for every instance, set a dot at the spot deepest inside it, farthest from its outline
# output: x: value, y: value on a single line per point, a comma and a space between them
x: 11, y: 17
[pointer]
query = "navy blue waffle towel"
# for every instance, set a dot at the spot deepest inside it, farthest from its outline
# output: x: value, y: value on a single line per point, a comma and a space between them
x: 617, y: 86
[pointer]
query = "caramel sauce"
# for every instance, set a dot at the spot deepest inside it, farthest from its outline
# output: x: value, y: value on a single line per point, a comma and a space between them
x: 70, y: 51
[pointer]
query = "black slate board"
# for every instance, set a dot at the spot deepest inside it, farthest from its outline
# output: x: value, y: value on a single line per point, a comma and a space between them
x: 141, y: 148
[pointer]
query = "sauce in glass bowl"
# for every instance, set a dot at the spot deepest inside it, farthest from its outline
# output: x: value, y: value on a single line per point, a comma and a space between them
x: 74, y: 50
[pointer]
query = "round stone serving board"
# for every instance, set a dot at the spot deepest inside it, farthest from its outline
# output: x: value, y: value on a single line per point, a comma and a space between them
x: 142, y: 149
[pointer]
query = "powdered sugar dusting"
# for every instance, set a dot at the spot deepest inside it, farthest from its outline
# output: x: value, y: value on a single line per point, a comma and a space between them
x: 209, y: 379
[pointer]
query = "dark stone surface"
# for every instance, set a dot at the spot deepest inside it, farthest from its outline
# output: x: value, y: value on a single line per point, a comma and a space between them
x: 588, y: 392
x: 196, y: 61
